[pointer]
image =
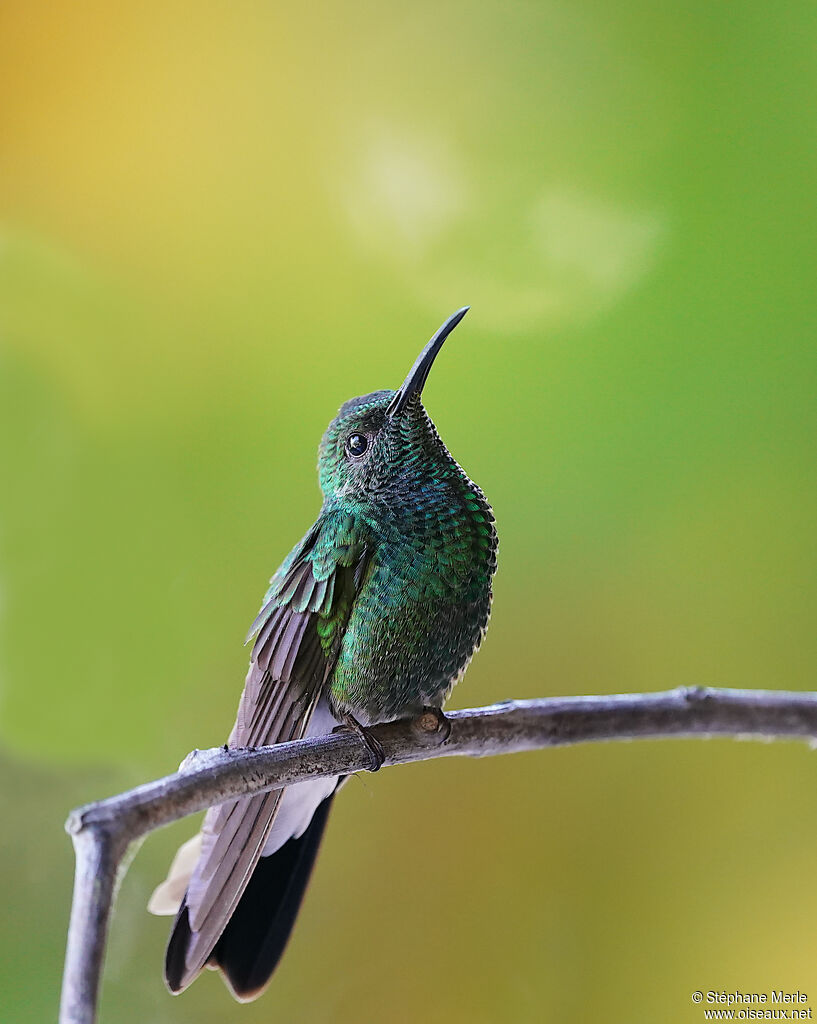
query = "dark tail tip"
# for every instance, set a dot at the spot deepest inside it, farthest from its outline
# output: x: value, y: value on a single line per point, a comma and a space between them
x: 256, y: 935
x: 175, y: 956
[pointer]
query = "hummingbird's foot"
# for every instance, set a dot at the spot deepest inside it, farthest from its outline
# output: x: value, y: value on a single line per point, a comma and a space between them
x: 370, y: 742
x: 432, y: 723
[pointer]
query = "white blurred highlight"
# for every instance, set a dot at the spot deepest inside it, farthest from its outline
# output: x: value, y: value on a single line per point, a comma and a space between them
x: 560, y: 255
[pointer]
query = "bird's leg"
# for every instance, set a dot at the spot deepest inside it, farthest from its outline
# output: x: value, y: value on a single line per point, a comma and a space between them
x: 370, y: 742
x: 432, y: 722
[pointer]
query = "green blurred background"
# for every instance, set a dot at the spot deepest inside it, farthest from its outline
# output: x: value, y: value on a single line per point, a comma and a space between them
x: 217, y: 222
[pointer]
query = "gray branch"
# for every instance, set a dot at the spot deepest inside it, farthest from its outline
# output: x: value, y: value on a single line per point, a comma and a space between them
x: 102, y: 832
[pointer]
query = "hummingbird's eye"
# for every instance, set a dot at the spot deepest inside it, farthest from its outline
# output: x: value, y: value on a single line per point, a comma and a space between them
x: 356, y: 445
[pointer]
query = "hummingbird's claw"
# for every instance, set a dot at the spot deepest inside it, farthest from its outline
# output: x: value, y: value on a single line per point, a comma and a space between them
x: 370, y: 742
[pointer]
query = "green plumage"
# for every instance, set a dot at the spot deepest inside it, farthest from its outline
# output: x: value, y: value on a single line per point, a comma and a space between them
x: 373, y: 616
x: 421, y: 536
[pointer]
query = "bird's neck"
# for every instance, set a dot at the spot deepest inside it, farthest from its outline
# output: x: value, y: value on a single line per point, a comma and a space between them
x: 430, y: 495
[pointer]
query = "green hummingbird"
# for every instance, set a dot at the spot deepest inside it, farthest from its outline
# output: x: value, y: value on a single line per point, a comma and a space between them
x: 373, y: 616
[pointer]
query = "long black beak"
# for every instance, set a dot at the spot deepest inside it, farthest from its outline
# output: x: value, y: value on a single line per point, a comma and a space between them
x: 418, y: 374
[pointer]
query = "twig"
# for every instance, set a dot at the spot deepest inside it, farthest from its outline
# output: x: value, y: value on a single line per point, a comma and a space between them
x: 103, y: 831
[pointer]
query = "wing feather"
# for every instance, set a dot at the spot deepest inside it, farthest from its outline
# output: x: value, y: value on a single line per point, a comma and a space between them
x: 289, y: 668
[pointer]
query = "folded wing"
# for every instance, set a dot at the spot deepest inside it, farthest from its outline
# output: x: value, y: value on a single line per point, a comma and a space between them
x: 299, y: 631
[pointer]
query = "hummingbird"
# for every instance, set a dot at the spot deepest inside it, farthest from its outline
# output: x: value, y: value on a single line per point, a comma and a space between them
x: 373, y: 616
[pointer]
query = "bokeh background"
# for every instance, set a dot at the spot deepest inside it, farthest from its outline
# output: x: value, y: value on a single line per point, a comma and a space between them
x: 219, y: 221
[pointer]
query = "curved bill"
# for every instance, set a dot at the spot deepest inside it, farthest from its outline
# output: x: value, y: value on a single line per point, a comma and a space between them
x: 417, y: 375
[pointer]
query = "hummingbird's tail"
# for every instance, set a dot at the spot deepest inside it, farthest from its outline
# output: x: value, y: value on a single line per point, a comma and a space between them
x: 257, y: 933
x: 250, y: 942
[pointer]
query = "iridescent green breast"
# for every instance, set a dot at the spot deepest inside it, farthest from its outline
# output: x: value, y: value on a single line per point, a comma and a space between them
x: 424, y: 602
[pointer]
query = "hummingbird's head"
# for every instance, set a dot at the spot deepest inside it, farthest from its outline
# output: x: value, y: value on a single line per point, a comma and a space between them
x: 385, y: 441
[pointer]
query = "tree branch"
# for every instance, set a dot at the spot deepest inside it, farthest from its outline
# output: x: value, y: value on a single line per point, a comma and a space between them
x: 103, y: 831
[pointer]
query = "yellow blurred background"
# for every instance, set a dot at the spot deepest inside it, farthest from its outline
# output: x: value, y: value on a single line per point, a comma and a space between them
x: 219, y: 221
